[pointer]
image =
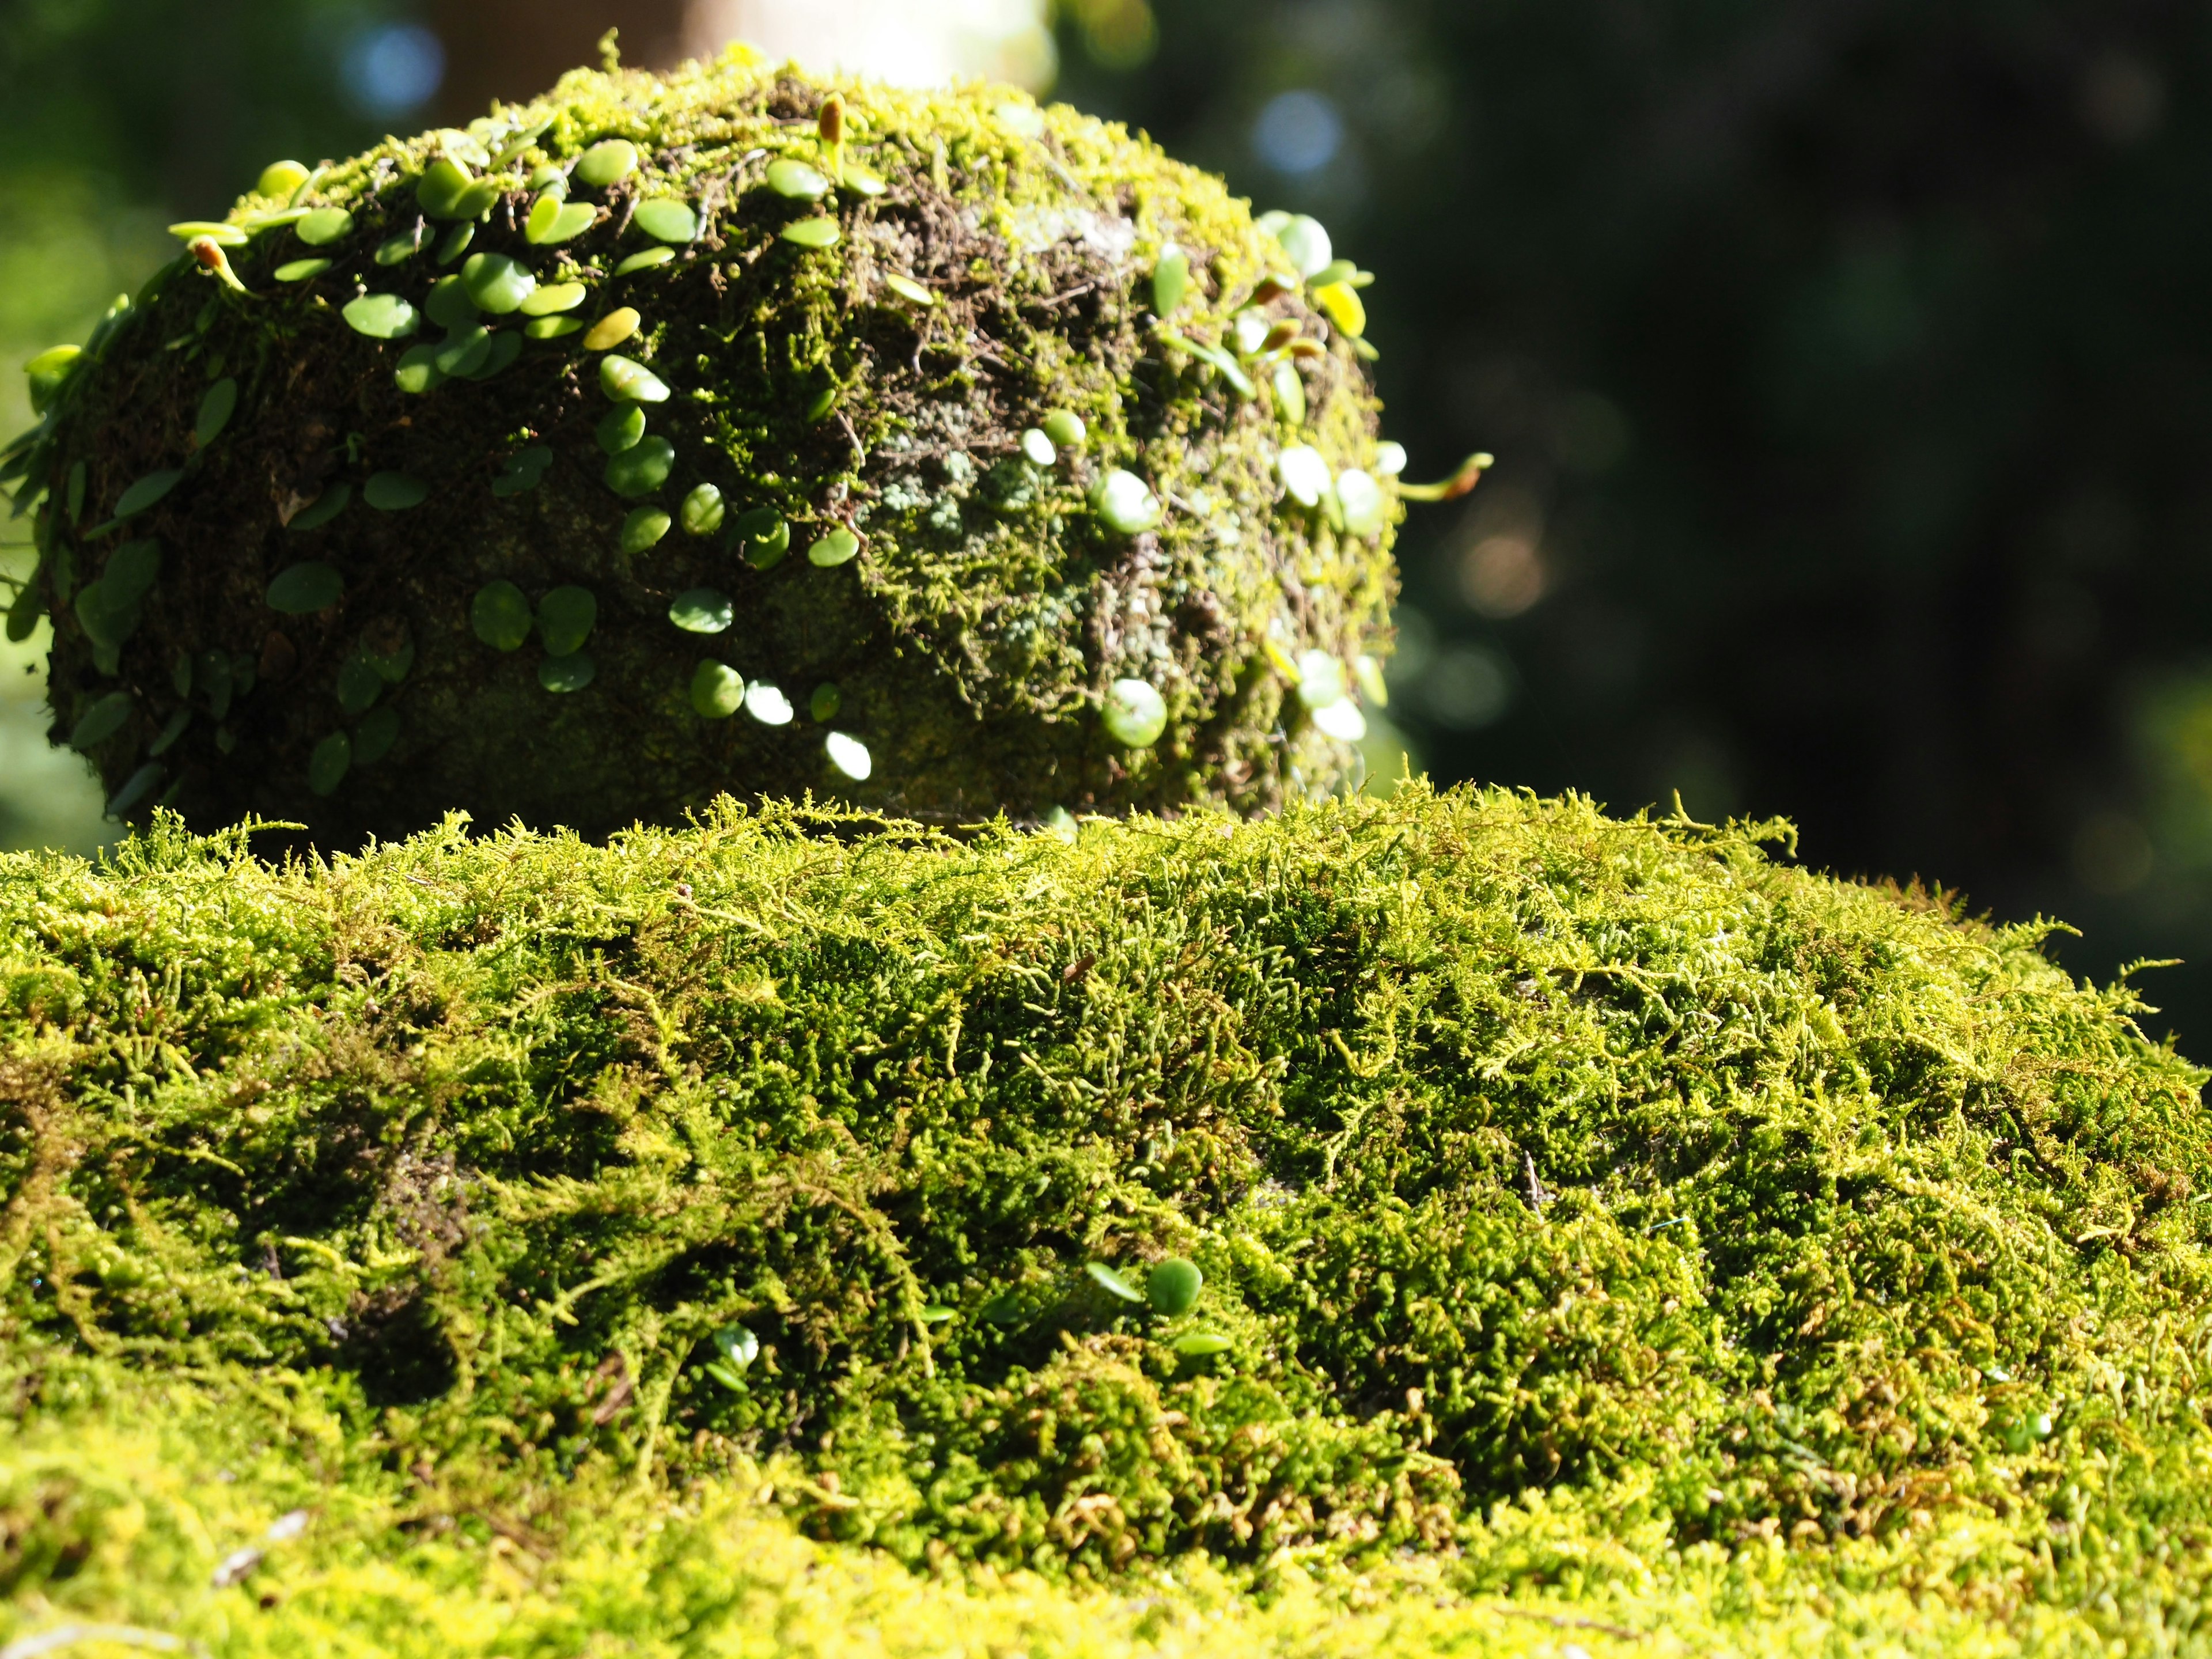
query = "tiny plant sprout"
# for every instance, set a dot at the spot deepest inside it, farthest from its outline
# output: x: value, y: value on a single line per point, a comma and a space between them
x: 717, y: 691
x: 797, y: 180
x: 1450, y: 489
x: 1107, y: 1279
x: 562, y: 675
x: 552, y: 221
x: 1372, y: 685
x: 1066, y: 429
x: 766, y: 536
x: 207, y: 252
x: 328, y: 762
x: 1304, y: 474
x: 830, y: 127
x: 1320, y: 680
x: 702, y: 611
x: 644, y: 528
x: 496, y: 283
x: 1172, y: 1286
x: 381, y: 316
x: 456, y: 243
x: 1342, y: 720
x: 849, y: 755
x: 823, y: 706
x: 565, y: 618
x: 627, y: 382
x: 612, y: 330
x: 909, y: 290
x: 552, y: 297
x: 700, y: 514
x: 604, y: 162
x: 816, y: 233
x: 644, y: 259
x: 642, y: 468
x: 1124, y: 502
x: 1200, y: 1345
x: 1038, y: 448
x: 620, y: 427
x: 1364, y: 505
x: 279, y: 180
x: 394, y: 492
x: 1171, y: 281
x: 300, y: 270
x: 834, y: 549
x: 500, y: 616
x: 665, y: 219
x: 216, y: 407
x: 1135, y: 714
x: 301, y: 590
x: 768, y: 704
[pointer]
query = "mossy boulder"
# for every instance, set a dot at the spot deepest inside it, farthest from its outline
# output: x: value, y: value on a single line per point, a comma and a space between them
x: 1607, y: 1212
x: 618, y: 451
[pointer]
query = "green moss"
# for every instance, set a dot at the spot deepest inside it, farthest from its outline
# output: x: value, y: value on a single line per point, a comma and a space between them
x: 1594, y: 1211
x: 990, y: 608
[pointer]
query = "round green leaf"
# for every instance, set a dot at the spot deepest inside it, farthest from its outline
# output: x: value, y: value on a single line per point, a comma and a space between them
x: 394, y: 492
x: 215, y: 410
x: 612, y: 330
x: 565, y: 618
x: 280, y: 181
x: 497, y: 283
x: 503, y: 348
x: 301, y: 270
x: 131, y: 571
x: 821, y: 232
x: 834, y: 549
x: 551, y: 328
x: 717, y: 691
x: 1038, y: 448
x: 702, y: 511
x: 1111, y: 1282
x: 626, y: 381
x: 334, y: 500
x: 143, y: 493
x: 797, y: 180
x: 1364, y: 505
x: 1307, y: 244
x: 552, y: 221
x: 1305, y: 475
x: 620, y: 427
x: 1124, y: 502
x: 329, y: 762
x: 766, y: 703
x: 702, y: 610
x: 465, y: 351
x: 49, y: 372
x: 456, y: 243
x: 642, y: 468
x: 500, y: 615
x: 449, y: 306
x: 214, y: 230
x: 1135, y: 714
x: 1172, y: 1286
x: 373, y: 738
x: 1171, y: 280
x: 359, y: 685
x: 324, y: 226
x: 765, y: 536
x: 606, y: 161
x: 552, y: 297
x: 301, y: 590
x: 665, y: 219
x: 101, y: 722
x: 822, y: 708
x: 909, y: 290
x: 644, y: 259
x: 136, y: 788
x: 849, y: 755
x: 1320, y: 680
x: 398, y: 250
x: 381, y: 316
x: 1200, y: 1345
x: 418, y: 369
x: 644, y: 528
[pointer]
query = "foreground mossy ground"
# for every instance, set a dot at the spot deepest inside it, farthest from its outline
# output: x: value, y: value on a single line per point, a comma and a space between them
x: 1612, y: 1235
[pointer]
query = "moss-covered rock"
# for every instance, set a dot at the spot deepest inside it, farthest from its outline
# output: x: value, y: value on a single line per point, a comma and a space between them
x: 618, y: 451
x: 1598, y: 1208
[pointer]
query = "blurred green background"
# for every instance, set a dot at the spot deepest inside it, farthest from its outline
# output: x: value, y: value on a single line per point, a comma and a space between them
x: 1849, y: 363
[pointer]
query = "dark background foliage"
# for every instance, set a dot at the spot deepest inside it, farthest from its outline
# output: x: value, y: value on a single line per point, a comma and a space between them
x: 1845, y: 361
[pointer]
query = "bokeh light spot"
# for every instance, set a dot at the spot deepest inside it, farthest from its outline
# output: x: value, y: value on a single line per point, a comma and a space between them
x: 393, y: 69
x: 1298, y: 133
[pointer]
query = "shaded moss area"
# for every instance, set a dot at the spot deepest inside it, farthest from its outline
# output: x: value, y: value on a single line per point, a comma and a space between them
x: 1580, y: 1203
x: 984, y: 269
